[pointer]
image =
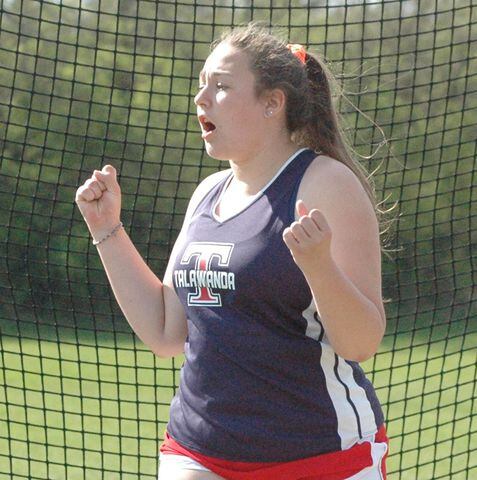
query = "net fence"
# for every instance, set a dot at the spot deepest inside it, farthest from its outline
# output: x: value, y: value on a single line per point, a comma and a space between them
x: 86, y: 83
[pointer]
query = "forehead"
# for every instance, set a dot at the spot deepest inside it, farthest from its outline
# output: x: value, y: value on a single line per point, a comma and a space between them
x: 226, y: 58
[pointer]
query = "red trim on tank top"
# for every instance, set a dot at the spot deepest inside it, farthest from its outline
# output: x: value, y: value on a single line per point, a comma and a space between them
x: 331, y: 466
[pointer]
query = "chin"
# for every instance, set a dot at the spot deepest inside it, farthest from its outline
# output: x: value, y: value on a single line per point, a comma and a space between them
x: 216, y: 153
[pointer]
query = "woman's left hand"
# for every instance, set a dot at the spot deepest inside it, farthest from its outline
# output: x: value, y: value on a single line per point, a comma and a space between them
x: 308, y: 238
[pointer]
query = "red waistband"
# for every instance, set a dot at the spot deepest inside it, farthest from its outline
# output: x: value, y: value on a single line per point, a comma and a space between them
x: 331, y: 466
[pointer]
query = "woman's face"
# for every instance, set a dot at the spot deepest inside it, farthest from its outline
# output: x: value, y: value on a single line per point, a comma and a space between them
x: 230, y: 114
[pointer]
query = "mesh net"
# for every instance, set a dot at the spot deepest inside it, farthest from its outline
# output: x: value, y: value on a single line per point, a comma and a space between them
x: 87, y: 83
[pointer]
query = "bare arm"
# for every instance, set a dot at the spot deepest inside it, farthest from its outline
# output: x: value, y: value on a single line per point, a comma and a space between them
x: 335, y: 241
x: 150, y: 305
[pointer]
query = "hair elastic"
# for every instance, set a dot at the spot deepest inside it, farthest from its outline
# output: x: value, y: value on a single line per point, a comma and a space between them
x: 298, y: 50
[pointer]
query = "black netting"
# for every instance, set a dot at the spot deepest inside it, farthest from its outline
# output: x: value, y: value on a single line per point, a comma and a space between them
x: 87, y: 83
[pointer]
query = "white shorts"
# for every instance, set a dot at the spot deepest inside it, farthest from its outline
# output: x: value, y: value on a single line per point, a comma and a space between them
x: 171, y: 465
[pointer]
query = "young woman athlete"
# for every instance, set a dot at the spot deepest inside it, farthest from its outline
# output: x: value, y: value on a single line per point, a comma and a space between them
x: 273, y: 288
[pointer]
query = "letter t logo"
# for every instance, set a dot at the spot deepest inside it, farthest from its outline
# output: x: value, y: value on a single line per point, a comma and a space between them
x: 204, y: 252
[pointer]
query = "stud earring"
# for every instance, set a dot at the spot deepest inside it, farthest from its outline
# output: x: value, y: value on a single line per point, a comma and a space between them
x: 269, y: 113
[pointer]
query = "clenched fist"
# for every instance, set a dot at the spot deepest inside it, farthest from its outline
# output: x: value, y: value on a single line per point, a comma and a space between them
x: 99, y: 201
x: 309, y: 238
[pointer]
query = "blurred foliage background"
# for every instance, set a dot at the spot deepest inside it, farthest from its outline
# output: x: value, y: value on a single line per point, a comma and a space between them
x: 87, y: 83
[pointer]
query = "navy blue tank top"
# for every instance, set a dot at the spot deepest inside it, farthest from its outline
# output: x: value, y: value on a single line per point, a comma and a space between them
x: 260, y: 381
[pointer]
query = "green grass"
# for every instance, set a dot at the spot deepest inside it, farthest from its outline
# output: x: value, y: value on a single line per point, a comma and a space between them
x: 70, y: 411
x: 428, y: 395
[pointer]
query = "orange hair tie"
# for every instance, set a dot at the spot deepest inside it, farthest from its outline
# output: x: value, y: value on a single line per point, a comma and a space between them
x: 299, y: 51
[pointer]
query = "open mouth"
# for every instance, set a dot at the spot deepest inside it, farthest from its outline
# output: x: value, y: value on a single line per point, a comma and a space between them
x: 207, y: 126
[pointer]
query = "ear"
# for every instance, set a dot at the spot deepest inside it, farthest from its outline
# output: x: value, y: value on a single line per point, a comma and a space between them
x: 274, y: 101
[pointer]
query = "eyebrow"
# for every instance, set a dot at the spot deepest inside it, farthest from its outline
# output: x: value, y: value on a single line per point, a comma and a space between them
x: 215, y: 73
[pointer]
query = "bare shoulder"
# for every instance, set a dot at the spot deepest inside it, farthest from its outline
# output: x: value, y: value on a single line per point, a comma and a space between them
x: 330, y: 184
x: 333, y: 188
x: 329, y: 173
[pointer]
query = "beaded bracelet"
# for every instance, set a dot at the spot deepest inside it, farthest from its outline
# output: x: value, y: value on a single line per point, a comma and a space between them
x: 112, y: 232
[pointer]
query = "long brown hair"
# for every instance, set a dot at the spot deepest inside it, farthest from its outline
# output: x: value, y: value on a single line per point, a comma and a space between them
x: 311, y: 117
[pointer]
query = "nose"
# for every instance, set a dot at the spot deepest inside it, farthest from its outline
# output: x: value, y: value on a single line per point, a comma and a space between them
x: 201, y: 97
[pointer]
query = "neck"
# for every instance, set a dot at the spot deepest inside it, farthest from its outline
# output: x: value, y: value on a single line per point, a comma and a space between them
x: 252, y: 173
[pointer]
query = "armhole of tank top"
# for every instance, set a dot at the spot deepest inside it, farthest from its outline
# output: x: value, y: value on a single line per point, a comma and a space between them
x: 291, y: 207
x: 292, y: 215
x: 223, y: 175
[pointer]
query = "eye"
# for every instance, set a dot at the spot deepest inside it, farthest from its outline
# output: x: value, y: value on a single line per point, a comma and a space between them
x: 219, y: 86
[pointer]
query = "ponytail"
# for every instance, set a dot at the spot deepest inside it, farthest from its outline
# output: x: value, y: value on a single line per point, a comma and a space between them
x: 324, y: 133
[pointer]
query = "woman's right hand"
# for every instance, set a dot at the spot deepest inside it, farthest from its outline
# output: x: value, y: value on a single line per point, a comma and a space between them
x: 99, y: 201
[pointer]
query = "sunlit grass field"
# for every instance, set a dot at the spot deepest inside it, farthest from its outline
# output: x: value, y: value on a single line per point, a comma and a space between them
x: 98, y: 411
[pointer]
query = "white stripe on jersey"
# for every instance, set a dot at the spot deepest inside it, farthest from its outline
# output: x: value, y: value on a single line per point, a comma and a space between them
x: 354, y: 413
x: 314, y: 328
